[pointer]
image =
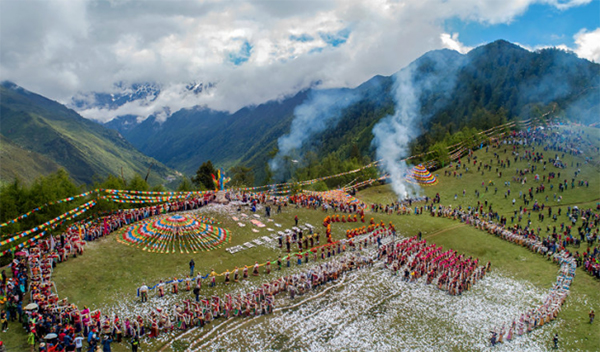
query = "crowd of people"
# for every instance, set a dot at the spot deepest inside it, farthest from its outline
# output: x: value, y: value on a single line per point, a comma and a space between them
x: 413, y: 258
x: 337, y: 200
x: 544, y: 151
x: 540, y: 148
x: 32, y: 272
x: 526, y: 238
x: 547, y: 311
x: 323, y: 252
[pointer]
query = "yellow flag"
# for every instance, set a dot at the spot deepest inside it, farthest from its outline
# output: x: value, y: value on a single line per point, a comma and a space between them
x: 80, y: 236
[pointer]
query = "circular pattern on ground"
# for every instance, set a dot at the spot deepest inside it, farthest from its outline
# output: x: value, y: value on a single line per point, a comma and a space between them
x: 175, y: 233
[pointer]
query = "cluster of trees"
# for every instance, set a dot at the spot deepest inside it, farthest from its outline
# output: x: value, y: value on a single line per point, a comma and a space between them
x: 17, y: 197
x: 314, y: 167
x: 241, y: 176
x: 467, y: 137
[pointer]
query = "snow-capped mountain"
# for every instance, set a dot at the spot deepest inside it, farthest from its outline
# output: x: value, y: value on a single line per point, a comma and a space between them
x: 198, y: 88
x: 138, y: 101
x: 143, y: 92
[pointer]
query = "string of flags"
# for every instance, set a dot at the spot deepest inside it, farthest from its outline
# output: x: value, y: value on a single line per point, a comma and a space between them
x: 70, y: 215
x: 23, y: 244
x: 65, y: 200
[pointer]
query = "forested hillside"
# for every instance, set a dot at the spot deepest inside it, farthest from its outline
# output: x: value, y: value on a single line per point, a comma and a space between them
x: 494, y: 83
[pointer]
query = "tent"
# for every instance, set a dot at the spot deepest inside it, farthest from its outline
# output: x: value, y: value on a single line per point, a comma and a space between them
x: 421, y: 176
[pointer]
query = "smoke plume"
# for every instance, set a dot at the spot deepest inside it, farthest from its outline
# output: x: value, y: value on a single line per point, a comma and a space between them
x: 320, y: 111
x: 393, y: 134
x: 431, y: 76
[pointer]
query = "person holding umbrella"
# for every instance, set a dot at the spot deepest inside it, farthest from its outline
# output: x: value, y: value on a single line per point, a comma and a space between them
x: 51, y: 336
x: 31, y: 306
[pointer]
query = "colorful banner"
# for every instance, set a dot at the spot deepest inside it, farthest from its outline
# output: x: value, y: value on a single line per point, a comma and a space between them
x: 117, y: 199
x: 71, y: 214
x: 22, y: 245
x: 68, y: 199
x: 153, y: 193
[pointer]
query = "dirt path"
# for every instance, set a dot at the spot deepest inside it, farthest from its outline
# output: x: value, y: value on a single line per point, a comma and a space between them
x: 444, y: 230
x: 578, y: 203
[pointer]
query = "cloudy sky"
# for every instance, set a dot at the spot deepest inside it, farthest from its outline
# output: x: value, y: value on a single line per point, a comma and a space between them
x: 255, y: 51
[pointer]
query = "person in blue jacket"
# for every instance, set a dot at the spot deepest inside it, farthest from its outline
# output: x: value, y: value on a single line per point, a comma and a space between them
x: 106, y: 343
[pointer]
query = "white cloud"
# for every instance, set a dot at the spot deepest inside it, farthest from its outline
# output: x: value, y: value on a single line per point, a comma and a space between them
x: 567, y: 4
x: 60, y: 48
x: 450, y: 41
x: 588, y: 44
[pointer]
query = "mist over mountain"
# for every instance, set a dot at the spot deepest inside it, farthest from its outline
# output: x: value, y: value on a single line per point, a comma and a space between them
x: 494, y: 83
x: 125, y: 94
x: 140, y: 100
x: 192, y: 136
x: 490, y: 85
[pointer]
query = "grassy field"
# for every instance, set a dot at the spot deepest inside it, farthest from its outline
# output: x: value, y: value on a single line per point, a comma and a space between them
x: 450, y: 186
x: 508, y: 261
x: 521, y: 264
x: 108, y: 273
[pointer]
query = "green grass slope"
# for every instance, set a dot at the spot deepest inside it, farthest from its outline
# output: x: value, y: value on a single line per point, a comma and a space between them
x: 84, y: 148
x: 16, y: 162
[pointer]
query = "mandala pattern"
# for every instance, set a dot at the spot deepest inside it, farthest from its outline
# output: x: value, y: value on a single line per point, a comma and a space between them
x: 176, y: 233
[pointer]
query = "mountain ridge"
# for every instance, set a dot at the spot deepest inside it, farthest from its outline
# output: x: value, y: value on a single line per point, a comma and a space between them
x: 83, y: 147
x: 495, y: 82
x: 491, y: 84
